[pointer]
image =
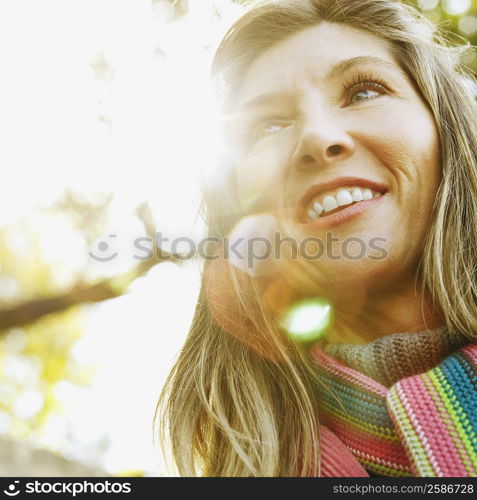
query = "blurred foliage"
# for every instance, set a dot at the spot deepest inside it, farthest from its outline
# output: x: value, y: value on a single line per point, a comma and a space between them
x: 455, y: 16
x: 32, y: 361
x: 36, y: 357
x: 130, y: 473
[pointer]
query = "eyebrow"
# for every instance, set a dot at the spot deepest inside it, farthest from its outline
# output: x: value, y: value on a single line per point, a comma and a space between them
x: 337, y: 70
x: 263, y: 100
x: 341, y: 67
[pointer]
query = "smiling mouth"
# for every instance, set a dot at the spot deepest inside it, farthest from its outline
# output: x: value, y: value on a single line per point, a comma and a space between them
x: 332, y: 202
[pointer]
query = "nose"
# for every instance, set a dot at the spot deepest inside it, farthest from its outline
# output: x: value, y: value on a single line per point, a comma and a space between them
x: 322, y: 143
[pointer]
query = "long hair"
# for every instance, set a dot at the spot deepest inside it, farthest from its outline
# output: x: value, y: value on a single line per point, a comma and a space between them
x: 249, y: 408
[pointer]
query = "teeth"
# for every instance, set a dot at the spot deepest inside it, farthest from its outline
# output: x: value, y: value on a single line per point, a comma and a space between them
x: 317, y: 207
x: 367, y: 194
x: 329, y: 203
x: 344, y: 196
x: 312, y: 214
x: 357, y: 194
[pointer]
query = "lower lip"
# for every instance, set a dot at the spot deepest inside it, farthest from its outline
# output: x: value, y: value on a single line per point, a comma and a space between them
x: 344, y: 215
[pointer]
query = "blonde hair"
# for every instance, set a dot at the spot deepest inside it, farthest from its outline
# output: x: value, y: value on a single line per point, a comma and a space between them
x: 227, y: 410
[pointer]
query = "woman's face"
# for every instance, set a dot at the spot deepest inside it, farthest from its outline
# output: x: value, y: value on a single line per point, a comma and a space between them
x: 332, y: 137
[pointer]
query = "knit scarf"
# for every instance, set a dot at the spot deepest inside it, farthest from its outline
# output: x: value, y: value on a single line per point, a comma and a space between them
x: 404, y: 405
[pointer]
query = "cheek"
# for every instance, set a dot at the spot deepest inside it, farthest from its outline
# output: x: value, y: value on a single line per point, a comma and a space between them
x: 406, y: 141
x: 260, y: 176
x: 421, y: 141
x: 420, y: 154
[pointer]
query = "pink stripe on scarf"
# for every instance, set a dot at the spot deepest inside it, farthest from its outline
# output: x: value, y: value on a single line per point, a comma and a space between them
x: 471, y: 352
x: 331, y: 365
x: 336, y: 459
x: 432, y: 431
x: 388, y: 451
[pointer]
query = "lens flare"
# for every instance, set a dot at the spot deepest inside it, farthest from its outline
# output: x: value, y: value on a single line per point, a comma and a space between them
x: 307, y: 320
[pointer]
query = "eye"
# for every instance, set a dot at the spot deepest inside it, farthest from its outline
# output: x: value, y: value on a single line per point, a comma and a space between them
x: 364, y: 87
x: 270, y: 127
x: 363, y: 95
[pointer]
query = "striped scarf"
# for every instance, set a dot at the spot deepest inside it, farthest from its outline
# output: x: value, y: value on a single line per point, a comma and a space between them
x: 424, y: 424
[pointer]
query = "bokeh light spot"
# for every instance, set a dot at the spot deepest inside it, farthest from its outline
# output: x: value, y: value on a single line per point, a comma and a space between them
x: 427, y: 4
x: 307, y: 320
x: 456, y: 7
x: 468, y: 25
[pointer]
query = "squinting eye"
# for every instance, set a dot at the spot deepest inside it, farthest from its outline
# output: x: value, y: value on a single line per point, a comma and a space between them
x: 271, y: 129
x: 364, y: 95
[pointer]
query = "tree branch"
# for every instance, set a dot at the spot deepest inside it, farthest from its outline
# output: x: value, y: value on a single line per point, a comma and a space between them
x: 31, y: 311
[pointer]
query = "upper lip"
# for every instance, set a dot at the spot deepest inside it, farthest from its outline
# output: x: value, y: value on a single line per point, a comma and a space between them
x: 337, y: 182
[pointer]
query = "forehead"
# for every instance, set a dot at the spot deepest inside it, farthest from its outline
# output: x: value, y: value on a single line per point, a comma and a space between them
x: 308, y: 57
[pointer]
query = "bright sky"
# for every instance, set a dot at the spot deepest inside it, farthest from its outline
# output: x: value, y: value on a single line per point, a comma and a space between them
x: 146, y: 130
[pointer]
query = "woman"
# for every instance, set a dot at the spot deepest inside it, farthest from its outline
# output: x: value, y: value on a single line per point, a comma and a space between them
x: 348, y: 123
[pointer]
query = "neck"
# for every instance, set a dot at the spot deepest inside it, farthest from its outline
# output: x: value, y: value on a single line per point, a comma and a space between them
x: 408, y: 308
